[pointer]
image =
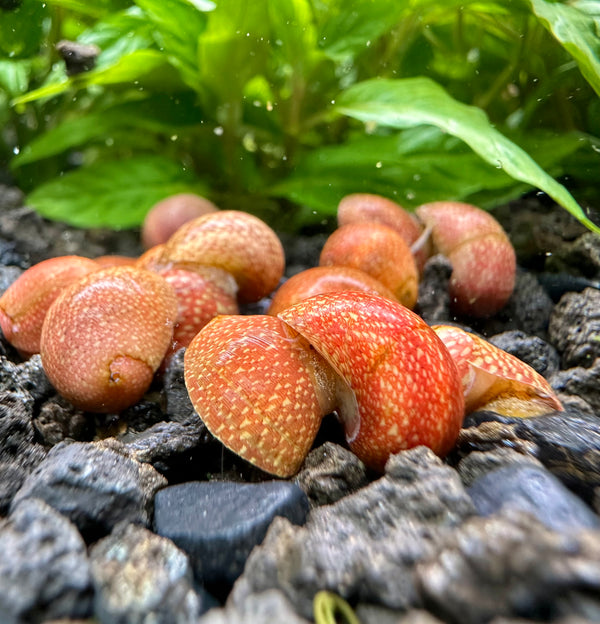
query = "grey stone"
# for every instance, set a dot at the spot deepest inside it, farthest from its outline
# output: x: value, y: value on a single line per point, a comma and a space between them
x: 170, y: 447
x: 575, y: 327
x: 140, y: 577
x: 580, y: 382
x: 329, y: 473
x: 538, y: 353
x: 8, y: 275
x: 58, y: 420
x: 363, y: 547
x: 528, y: 309
x: 44, y: 569
x: 19, y: 453
x: 578, y: 257
x: 566, y: 443
x: 479, y: 463
x: 434, y: 299
x: 27, y: 378
x: 535, y: 490
x: 219, y: 523
x: 510, y: 564
x: 95, y: 487
x: 177, y: 400
x: 269, y: 607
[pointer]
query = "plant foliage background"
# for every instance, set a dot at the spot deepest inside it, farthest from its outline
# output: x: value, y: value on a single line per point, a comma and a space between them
x: 282, y: 107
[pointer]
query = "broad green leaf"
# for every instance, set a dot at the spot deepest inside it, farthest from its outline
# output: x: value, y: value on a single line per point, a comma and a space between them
x: 96, y: 9
x: 413, y: 101
x: 14, y: 76
x: 578, y: 34
x: 115, y: 194
x: 158, y: 113
x: 232, y: 50
x: 349, y: 28
x: 22, y: 29
x: 179, y: 25
x: 142, y: 67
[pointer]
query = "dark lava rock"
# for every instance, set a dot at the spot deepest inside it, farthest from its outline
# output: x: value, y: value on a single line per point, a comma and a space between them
x: 509, y: 564
x: 582, y: 383
x: 19, y: 453
x: 528, y: 309
x: 566, y: 443
x: 219, y: 523
x: 535, y: 490
x: 95, y: 487
x: 329, y: 473
x: 478, y: 463
x: 270, y: 607
x: 364, y: 546
x: 44, y: 569
x: 28, y: 378
x: 434, y: 299
x: 534, y: 351
x: 173, y: 448
x: 578, y: 257
x: 58, y: 420
x: 140, y: 577
x: 575, y: 328
x: 178, y: 405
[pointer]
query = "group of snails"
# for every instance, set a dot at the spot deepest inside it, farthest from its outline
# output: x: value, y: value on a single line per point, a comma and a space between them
x: 340, y: 337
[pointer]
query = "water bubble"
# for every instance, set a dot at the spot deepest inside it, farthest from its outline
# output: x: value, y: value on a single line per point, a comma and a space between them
x: 16, y: 149
x: 218, y: 131
x: 379, y: 164
x: 174, y: 137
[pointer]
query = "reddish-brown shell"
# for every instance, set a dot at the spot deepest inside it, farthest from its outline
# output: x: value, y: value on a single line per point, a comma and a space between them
x: 24, y: 304
x: 251, y: 380
x: 320, y: 280
x: 483, y: 259
x: 367, y: 207
x: 494, y: 379
x: 236, y: 242
x: 104, y: 337
x: 169, y: 214
x: 406, y: 385
x: 201, y: 295
x: 379, y: 251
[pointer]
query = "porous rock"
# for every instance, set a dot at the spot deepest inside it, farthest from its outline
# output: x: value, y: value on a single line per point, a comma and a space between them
x: 535, y: 490
x: 329, y: 473
x: 575, y: 327
x: 173, y: 448
x: 578, y: 257
x: 566, y: 443
x: 19, y: 453
x: 363, y: 547
x: 58, y: 420
x: 538, y: 353
x: 579, y: 382
x: 269, y: 607
x: 528, y: 309
x: 44, y: 569
x: 433, y: 303
x: 178, y: 404
x: 219, y: 523
x: 140, y: 577
x: 510, y: 564
x: 96, y: 487
x: 27, y: 378
x: 479, y: 463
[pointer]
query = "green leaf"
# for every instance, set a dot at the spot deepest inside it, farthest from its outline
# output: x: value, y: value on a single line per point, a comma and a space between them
x: 179, y: 25
x: 578, y: 34
x: 157, y: 113
x: 22, y: 29
x: 14, y: 76
x: 115, y: 194
x: 348, y: 29
x: 413, y: 101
